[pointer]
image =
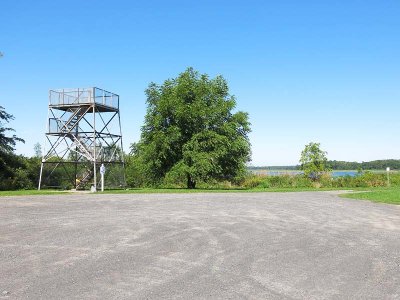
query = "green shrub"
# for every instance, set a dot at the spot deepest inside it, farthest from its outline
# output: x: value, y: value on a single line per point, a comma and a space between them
x: 21, y: 180
x: 395, y: 179
x: 367, y: 179
x: 253, y: 181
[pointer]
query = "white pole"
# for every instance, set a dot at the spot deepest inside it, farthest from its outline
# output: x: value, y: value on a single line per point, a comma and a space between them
x: 40, y: 176
x: 388, y: 176
x: 94, y: 141
x: 102, y: 171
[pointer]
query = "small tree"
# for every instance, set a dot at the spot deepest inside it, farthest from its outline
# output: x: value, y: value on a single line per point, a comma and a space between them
x: 37, y: 149
x: 313, y: 161
x: 191, y: 132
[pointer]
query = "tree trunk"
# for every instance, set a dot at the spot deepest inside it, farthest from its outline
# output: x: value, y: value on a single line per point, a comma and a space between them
x: 191, y: 184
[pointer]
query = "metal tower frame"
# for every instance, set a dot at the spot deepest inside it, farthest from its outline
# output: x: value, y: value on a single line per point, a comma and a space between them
x: 83, y: 132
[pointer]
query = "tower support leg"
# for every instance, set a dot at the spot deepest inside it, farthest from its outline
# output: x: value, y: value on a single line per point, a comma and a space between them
x: 40, y: 176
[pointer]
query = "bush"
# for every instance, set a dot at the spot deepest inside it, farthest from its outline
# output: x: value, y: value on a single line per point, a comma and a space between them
x: 21, y: 180
x: 395, y: 179
x: 175, y: 178
x: 281, y: 181
x: 367, y: 179
x: 254, y: 181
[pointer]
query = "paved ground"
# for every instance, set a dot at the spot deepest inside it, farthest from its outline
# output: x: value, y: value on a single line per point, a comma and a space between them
x: 191, y: 246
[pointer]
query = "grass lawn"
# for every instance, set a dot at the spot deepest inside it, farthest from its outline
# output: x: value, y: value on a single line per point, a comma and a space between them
x: 31, y: 192
x: 383, y: 195
x: 221, y: 190
x: 169, y: 191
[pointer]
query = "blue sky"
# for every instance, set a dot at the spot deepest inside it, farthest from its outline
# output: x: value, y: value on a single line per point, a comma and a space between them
x: 322, y: 71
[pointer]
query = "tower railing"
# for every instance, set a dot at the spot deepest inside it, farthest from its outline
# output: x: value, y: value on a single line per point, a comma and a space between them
x: 68, y: 97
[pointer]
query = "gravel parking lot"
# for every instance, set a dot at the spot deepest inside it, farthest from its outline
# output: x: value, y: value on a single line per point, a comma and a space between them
x: 310, y: 245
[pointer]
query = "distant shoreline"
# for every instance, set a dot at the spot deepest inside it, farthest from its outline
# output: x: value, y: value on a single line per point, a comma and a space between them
x: 375, y: 165
x: 334, y: 173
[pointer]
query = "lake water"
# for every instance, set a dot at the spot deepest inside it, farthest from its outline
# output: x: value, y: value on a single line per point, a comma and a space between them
x: 293, y: 172
x: 344, y: 173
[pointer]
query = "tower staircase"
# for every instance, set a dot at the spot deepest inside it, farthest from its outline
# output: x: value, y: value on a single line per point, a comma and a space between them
x: 81, y: 142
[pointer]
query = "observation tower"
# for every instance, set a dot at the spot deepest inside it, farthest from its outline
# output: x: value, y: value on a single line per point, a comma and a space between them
x: 83, y: 132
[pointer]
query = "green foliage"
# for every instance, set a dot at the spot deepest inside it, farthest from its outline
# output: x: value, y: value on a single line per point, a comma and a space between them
x: 7, y: 143
x: 18, y: 172
x: 9, y: 163
x: 135, y: 169
x: 21, y: 180
x: 176, y: 176
x: 366, y: 180
x: 12, y: 167
x: 394, y: 164
x: 313, y: 161
x: 190, y: 134
x: 282, y: 181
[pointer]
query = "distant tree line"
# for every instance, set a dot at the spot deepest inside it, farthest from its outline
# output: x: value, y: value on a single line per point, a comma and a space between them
x: 393, y: 164
x: 366, y: 165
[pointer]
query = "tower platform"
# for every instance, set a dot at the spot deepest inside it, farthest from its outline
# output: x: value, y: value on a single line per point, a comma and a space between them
x: 67, y: 99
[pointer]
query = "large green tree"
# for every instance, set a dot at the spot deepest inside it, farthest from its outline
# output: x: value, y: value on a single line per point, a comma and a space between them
x: 191, y: 132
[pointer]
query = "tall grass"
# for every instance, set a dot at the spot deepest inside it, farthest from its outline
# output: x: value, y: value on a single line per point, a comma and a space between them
x: 365, y: 180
